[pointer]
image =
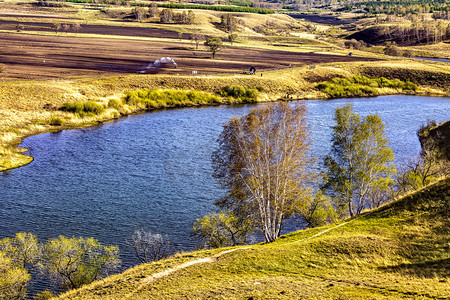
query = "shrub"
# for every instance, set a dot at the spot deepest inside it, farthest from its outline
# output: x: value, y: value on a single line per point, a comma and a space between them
x: 92, y: 107
x: 73, y: 262
x: 55, y: 121
x: 235, y: 91
x: 151, y: 99
x: 240, y: 93
x: 361, y: 86
x: 14, y: 279
x: 75, y: 107
x: 81, y: 109
x: 392, y: 50
x: 44, y: 295
x: 114, y: 103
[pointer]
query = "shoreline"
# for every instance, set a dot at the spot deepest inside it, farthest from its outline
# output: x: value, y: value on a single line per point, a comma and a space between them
x: 27, y: 159
x: 28, y: 107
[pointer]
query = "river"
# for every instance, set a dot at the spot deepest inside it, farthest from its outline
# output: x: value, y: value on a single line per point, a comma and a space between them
x: 446, y: 60
x: 153, y: 171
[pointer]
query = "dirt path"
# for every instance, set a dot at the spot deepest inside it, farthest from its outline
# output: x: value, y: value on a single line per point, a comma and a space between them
x: 320, y: 233
x: 211, y: 259
x: 167, y: 272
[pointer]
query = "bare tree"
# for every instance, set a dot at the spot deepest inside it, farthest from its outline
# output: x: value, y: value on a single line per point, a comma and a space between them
x: 65, y: 27
x: 76, y: 27
x: 433, y: 161
x: 166, y: 16
x: 56, y: 26
x: 139, y: 13
x: 190, y: 17
x: 149, y: 247
x: 232, y: 38
x: 197, y: 38
x: 153, y: 10
x: 263, y: 162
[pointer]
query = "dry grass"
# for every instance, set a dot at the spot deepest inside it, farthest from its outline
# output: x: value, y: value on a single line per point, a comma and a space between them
x: 441, y: 50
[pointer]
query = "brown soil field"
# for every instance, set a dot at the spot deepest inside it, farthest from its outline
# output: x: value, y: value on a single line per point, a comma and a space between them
x: 34, y: 15
x: 94, y: 29
x: 32, y: 57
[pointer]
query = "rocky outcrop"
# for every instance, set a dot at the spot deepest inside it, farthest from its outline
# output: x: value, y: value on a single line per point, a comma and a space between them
x: 436, y: 137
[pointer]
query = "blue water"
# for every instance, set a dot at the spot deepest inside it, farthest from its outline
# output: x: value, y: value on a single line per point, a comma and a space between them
x: 153, y: 171
x: 446, y: 60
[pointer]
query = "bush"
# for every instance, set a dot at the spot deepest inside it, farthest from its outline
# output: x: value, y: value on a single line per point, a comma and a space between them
x: 151, y: 99
x: 92, y: 107
x: 75, y: 107
x: 114, y: 103
x: 240, y: 93
x: 55, y: 121
x: 13, y: 279
x: 73, y: 262
x: 361, y: 86
x: 392, y: 50
x: 44, y: 295
x: 81, y: 109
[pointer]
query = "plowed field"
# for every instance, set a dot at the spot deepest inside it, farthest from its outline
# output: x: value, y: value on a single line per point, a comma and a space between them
x: 38, y: 57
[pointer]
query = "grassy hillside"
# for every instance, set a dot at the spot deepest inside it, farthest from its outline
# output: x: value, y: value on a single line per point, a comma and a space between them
x: 398, y: 251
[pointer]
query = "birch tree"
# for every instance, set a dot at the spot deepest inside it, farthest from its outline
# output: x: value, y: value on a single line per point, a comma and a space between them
x: 360, y: 161
x: 262, y: 161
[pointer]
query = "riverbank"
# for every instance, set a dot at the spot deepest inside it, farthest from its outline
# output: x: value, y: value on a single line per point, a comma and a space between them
x: 32, y: 107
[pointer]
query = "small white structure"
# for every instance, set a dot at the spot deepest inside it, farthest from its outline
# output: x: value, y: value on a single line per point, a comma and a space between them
x: 163, y: 62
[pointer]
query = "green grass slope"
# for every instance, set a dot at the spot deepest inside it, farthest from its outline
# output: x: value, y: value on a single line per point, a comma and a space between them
x: 400, y: 250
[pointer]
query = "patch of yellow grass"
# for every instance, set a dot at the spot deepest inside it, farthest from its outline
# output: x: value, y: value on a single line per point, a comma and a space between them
x: 441, y: 50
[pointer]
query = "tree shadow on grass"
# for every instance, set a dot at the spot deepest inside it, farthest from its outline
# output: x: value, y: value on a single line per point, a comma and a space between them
x: 428, y: 269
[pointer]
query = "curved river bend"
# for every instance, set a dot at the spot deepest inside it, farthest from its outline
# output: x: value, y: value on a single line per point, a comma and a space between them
x: 153, y: 171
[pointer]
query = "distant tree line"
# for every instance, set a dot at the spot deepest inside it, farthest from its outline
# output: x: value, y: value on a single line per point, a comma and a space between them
x: 257, y: 10
x: 230, y: 23
x: 168, y: 16
x: 421, y: 31
x: 402, y: 8
x: 216, y: 7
